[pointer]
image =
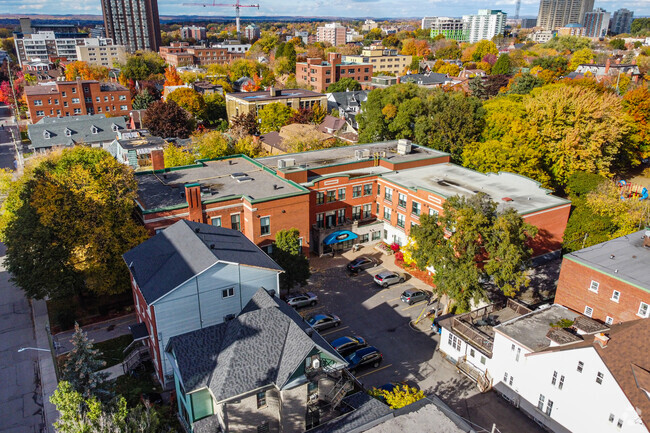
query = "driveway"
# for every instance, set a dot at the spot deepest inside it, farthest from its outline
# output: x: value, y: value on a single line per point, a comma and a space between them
x: 409, y: 351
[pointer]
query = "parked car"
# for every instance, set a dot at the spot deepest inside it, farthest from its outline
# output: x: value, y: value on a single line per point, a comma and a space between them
x: 388, y: 278
x: 302, y: 300
x: 361, y: 263
x: 347, y: 345
x: 411, y: 296
x: 323, y: 321
x: 363, y: 357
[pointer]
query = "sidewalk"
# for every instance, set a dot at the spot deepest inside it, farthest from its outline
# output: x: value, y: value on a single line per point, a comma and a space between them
x: 46, y: 365
x: 97, y: 332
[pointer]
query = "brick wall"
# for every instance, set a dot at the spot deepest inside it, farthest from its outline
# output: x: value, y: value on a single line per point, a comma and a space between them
x: 573, y: 292
x: 551, y: 224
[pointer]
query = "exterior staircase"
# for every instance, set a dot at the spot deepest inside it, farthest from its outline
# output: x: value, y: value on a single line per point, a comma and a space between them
x: 137, y: 354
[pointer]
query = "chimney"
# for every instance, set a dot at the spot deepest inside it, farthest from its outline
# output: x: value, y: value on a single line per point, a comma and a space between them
x: 193, y: 197
x: 646, y: 238
x: 601, y: 339
x: 158, y: 159
x: 608, y: 63
x: 272, y: 92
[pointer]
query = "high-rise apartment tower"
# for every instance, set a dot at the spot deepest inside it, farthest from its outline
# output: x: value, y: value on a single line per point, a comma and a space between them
x: 133, y: 23
x: 554, y: 14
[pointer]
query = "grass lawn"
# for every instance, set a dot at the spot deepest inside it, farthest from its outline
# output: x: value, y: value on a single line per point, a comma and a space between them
x: 63, y: 313
x: 112, y: 350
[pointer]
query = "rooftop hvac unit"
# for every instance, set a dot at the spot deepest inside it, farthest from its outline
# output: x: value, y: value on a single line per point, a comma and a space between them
x: 286, y: 162
x: 362, y: 154
x: 404, y: 146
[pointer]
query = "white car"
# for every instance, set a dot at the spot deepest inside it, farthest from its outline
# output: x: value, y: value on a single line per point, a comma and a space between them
x: 302, y: 300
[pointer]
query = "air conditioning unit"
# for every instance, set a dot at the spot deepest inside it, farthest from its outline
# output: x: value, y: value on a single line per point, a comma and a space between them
x: 404, y: 146
x: 362, y: 154
x: 287, y: 162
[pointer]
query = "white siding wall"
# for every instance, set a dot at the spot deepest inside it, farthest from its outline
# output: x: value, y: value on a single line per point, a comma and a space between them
x: 474, y: 358
x: 582, y: 405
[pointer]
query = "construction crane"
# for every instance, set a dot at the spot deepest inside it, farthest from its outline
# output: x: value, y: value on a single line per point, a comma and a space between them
x: 236, y: 6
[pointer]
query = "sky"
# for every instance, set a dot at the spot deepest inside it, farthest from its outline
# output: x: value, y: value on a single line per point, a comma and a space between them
x: 342, y: 8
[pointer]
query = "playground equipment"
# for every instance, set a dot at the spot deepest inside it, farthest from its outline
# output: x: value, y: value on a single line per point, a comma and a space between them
x: 632, y: 190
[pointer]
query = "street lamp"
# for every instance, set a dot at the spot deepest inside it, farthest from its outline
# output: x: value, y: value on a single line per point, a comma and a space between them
x: 56, y: 365
x: 22, y: 349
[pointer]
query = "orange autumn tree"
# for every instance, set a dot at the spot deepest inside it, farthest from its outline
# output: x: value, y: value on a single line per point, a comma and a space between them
x: 171, y: 77
x: 85, y: 71
x: 253, y: 86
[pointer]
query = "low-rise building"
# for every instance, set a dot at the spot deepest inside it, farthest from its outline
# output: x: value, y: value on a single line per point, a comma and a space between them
x: 134, y: 148
x: 320, y: 74
x: 192, y: 276
x: 608, y: 281
x: 427, y: 80
x: 606, y: 71
x: 382, y: 60
x: 72, y: 98
x: 182, y: 54
x: 382, y: 81
x: 542, y: 36
x: 348, y: 104
x: 571, y: 30
x: 96, y: 52
x: 368, y: 25
x: 94, y: 131
x: 233, y: 46
x: 251, y: 102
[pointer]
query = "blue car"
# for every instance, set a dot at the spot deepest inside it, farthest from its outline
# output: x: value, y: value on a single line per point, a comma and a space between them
x: 363, y: 357
x: 347, y: 345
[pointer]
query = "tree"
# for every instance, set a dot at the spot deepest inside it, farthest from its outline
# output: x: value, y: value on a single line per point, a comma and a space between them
x: 143, y: 66
x: 580, y: 57
x: 640, y: 25
x: 568, y: 43
x: 414, y: 47
x: 617, y: 44
x: 273, y: 116
x: 487, y: 87
x: 248, y: 146
x: 244, y: 124
x: 483, y: 48
x: 449, y: 69
x: 481, y: 243
x: 190, y: 100
x: 522, y: 84
x: 67, y: 221
x: 85, y: 71
x: 211, y: 145
x: 637, y: 104
x: 400, y: 396
x: 171, y: 77
x: 176, y: 156
x: 344, y: 85
x: 215, y: 108
x: 287, y: 253
x: 143, y: 100
x: 502, y: 65
x: 167, y: 119
x: 82, y: 367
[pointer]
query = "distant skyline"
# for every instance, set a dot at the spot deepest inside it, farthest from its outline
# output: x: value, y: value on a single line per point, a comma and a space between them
x: 316, y: 8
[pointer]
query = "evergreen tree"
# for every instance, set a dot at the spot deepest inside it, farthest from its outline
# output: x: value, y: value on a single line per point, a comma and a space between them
x: 143, y: 100
x: 502, y: 66
x: 82, y: 367
x: 288, y: 254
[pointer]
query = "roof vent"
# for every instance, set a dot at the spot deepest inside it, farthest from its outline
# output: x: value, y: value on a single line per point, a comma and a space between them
x: 612, y: 256
x: 212, y: 246
x: 197, y: 230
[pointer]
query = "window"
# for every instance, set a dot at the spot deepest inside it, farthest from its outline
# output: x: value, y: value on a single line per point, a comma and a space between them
x: 88, y: 99
x: 228, y: 293
x: 367, y: 189
x: 123, y: 107
x: 588, y: 311
x: 341, y: 215
x: 387, y: 213
x: 263, y: 428
x: 594, y: 286
x: 401, y: 220
x: 505, y: 377
x: 599, y: 378
x: 341, y: 193
x: 378, y: 190
x: 40, y: 113
x: 356, y: 212
x: 518, y: 353
x: 261, y: 399
x: 388, y: 194
x: 433, y: 212
x: 235, y: 222
x: 619, y: 424
x: 122, y: 97
x: 376, y: 235
x: 74, y: 90
x: 86, y: 89
x: 483, y: 360
x: 454, y: 342
x: 609, y: 320
x: 312, y: 389
x: 549, y: 407
x: 364, y: 238
x: 356, y: 191
x: 320, y: 197
x: 616, y: 295
x: 265, y: 226
x: 216, y: 221
x: 415, y: 208
x: 63, y: 94
x: 77, y: 111
x: 56, y: 102
x: 560, y: 385
x: 611, y: 418
x: 540, y: 402
x: 512, y: 379
x: 581, y: 366
x: 75, y: 100
x: 472, y: 353
x: 643, y: 310
x: 320, y: 219
x: 97, y: 99
x: 331, y: 196
x: 38, y: 102
x: 105, y: 98
x: 401, y: 201
x: 367, y: 210
x: 554, y: 379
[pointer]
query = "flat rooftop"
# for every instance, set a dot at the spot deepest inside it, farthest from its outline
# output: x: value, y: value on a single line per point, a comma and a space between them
x: 623, y: 258
x: 508, y: 190
x: 142, y: 142
x: 221, y: 179
x: 346, y: 155
x: 279, y: 94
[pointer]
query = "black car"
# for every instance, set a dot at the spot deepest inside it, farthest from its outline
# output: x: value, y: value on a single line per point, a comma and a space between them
x: 363, y: 357
x: 362, y: 262
x: 347, y: 345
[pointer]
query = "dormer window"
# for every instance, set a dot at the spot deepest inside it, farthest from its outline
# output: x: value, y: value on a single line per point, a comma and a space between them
x: 46, y: 135
x: 114, y: 127
x: 94, y: 129
x: 68, y: 132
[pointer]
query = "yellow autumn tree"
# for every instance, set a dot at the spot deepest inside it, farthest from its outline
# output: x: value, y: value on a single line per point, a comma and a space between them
x: 172, y: 78
x: 400, y: 396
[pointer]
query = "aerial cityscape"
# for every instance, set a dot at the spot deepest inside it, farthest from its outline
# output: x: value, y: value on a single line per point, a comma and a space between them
x: 324, y: 217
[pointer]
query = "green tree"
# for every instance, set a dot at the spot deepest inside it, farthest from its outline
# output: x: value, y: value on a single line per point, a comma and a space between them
x: 482, y: 49
x: 343, y: 85
x: 167, y: 119
x: 210, y: 145
x: 143, y: 100
x: 190, y: 100
x: 288, y: 254
x: 580, y: 57
x: 502, y: 66
x: 568, y: 43
x: 640, y: 25
x: 215, y: 108
x: 617, y: 44
x: 273, y: 116
x: 82, y: 367
x: 176, y: 156
x: 523, y: 84
x: 67, y: 221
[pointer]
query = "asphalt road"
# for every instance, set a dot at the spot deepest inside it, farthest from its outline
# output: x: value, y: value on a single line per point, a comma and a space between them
x: 7, y: 152
x: 21, y: 406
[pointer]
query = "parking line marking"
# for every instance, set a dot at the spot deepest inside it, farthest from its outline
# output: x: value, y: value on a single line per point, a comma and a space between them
x: 394, y: 299
x: 374, y: 371
x: 419, y: 304
x: 339, y: 328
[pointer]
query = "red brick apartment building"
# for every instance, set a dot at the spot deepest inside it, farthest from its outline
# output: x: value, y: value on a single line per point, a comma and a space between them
x: 71, y: 98
x: 182, y: 54
x: 320, y: 75
x: 377, y: 191
x: 608, y: 281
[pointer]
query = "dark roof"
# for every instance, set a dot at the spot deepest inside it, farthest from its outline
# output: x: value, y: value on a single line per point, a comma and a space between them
x: 265, y: 95
x: 624, y: 258
x: 139, y: 331
x: 184, y: 249
x: 80, y: 127
x: 363, y: 413
x: 331, y: 124
x: 430, y: 78
x: 352, y: 98
x: 262, y: 346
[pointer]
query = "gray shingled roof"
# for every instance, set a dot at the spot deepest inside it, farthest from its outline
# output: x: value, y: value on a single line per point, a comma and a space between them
x: 80, y: 127
x: 163, y: 262
x: 430, y: 78
x: 262, y: 346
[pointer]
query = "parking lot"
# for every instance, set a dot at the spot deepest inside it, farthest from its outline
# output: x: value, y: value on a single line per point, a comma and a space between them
x: 409, y: 351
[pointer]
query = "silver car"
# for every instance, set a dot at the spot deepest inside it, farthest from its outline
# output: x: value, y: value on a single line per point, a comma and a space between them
x: 388, y: 278
x: 413, y: 296
x: 302, y: 300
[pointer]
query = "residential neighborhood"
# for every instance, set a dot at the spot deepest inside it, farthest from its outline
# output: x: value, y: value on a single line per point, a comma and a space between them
x: 324, y: 218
